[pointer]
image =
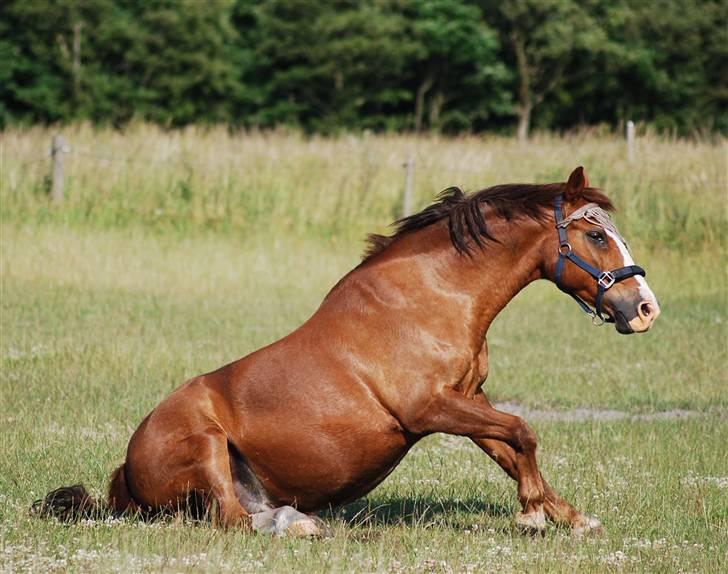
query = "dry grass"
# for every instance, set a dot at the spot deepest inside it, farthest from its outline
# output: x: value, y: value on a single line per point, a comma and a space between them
x: 249, y: 183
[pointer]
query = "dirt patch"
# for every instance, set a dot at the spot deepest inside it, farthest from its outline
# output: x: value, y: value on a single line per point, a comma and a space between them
x: 589, y: 414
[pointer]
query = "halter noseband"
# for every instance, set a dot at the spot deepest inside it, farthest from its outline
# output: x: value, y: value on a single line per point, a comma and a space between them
x: 604, y: 279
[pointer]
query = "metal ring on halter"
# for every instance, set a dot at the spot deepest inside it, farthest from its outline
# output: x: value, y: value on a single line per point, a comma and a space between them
x: 597, y: 321
x: 606, y: 279
x: 567, y: 246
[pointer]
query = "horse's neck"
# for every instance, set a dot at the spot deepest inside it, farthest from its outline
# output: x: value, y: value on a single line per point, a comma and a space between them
x: 466, y: 292
x: 499, y: 271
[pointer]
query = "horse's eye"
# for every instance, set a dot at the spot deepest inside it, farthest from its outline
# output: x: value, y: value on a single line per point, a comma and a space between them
x: 596, y: 237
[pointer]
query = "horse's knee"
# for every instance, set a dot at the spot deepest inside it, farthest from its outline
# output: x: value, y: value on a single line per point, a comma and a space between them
x: 525, y: 439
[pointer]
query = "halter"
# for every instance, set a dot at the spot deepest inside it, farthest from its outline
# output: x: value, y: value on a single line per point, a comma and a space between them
x: 605, y: 279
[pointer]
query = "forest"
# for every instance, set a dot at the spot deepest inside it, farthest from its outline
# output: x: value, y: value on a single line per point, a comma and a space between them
x: 447, y: 66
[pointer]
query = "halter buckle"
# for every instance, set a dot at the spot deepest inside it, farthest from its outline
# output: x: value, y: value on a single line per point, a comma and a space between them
x: 565, y: 248
x: 606, y: 280
x: 597, y: 321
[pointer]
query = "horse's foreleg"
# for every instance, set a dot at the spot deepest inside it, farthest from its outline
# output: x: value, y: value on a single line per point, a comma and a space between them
x: 557, y: 509
x: 454, y: 413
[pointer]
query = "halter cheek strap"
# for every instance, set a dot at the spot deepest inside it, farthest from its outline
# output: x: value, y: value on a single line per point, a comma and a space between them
x: 604, y: 279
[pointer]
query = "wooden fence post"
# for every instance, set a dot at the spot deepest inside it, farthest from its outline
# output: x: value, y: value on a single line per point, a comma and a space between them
x: 408, y: 183
x: 630, y: 141
x: 58, y: 148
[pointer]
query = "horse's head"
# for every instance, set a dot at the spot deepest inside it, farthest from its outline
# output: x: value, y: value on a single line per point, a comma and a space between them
x: 593, y: 264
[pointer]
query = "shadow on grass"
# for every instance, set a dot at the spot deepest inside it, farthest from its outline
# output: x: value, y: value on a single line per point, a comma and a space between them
x: 73, y: 504
x: 415, y: 511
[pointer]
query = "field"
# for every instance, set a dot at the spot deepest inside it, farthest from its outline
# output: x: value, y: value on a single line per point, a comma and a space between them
x: 175, y: 253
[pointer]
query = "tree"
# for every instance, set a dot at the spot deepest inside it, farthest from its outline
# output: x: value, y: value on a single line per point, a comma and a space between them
x: 182, y: 61
x: 325, y: 66
x: 659, y: 62
x: 108, y: 60
x: 669, y: 60
x: 541, y: 37
x: 42, y: 66
x: 445, y: 65
x: 456, y: 63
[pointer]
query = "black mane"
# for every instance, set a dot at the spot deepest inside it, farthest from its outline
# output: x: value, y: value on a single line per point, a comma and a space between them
x: 465, y: 217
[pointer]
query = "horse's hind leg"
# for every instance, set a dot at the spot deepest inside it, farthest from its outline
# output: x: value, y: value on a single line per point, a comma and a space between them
x: 169, y: 474
x: 216, y: 476
x: 557, y: 509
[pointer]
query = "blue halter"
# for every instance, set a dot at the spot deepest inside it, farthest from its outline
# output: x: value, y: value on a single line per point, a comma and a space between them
x: 604, y: 279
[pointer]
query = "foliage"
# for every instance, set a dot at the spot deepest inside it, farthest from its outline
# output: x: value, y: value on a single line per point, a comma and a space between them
x: 445, y: 65
x: 327, y: 65
x: 542, y: 39
x: 661, y: 62
x: 457, y: 64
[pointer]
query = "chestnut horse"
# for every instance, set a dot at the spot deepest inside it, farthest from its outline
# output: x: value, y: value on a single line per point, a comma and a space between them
x: 396, y: 351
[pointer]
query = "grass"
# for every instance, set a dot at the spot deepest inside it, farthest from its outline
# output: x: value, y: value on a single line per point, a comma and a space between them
x: 107, y: 305
x: 445, y: 509
x: 246, y: 184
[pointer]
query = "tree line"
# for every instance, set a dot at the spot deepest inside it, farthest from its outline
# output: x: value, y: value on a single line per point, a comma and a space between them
x: 323, y: 66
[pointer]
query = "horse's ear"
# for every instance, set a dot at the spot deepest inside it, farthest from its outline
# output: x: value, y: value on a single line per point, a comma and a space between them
x: 576, y: 184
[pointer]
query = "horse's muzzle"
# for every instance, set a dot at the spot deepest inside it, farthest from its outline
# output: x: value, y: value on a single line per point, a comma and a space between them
x: 634, y: 315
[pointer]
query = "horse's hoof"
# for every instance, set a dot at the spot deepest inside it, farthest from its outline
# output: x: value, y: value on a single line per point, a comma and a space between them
x: 304, y: 528
x: 587, y: 525
x: 532, y: 523
x: 286, y: 521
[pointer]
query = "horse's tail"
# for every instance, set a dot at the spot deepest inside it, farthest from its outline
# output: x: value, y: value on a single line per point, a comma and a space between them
x: 72, y: 503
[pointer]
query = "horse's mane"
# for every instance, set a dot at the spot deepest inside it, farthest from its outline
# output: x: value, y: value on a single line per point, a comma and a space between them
x: 464, y: 212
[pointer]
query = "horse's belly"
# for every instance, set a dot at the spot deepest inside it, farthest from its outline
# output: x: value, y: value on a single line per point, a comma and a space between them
x: 315, y: 468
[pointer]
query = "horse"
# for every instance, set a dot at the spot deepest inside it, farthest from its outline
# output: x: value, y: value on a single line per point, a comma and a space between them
x: 396, y: 351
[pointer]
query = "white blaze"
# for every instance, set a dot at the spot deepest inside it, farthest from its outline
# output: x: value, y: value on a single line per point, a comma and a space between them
x: 645, y: 291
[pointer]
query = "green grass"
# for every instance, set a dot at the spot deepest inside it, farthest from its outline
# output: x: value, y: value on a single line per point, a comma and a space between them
x: 446, y: 508
x: 104, y: 312
x: 122, y: 307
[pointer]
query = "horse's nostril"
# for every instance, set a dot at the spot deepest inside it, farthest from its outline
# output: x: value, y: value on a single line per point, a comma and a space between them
x: 645, y: 309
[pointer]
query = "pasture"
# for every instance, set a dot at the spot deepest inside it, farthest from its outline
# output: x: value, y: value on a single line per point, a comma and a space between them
x: 175, y: 253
